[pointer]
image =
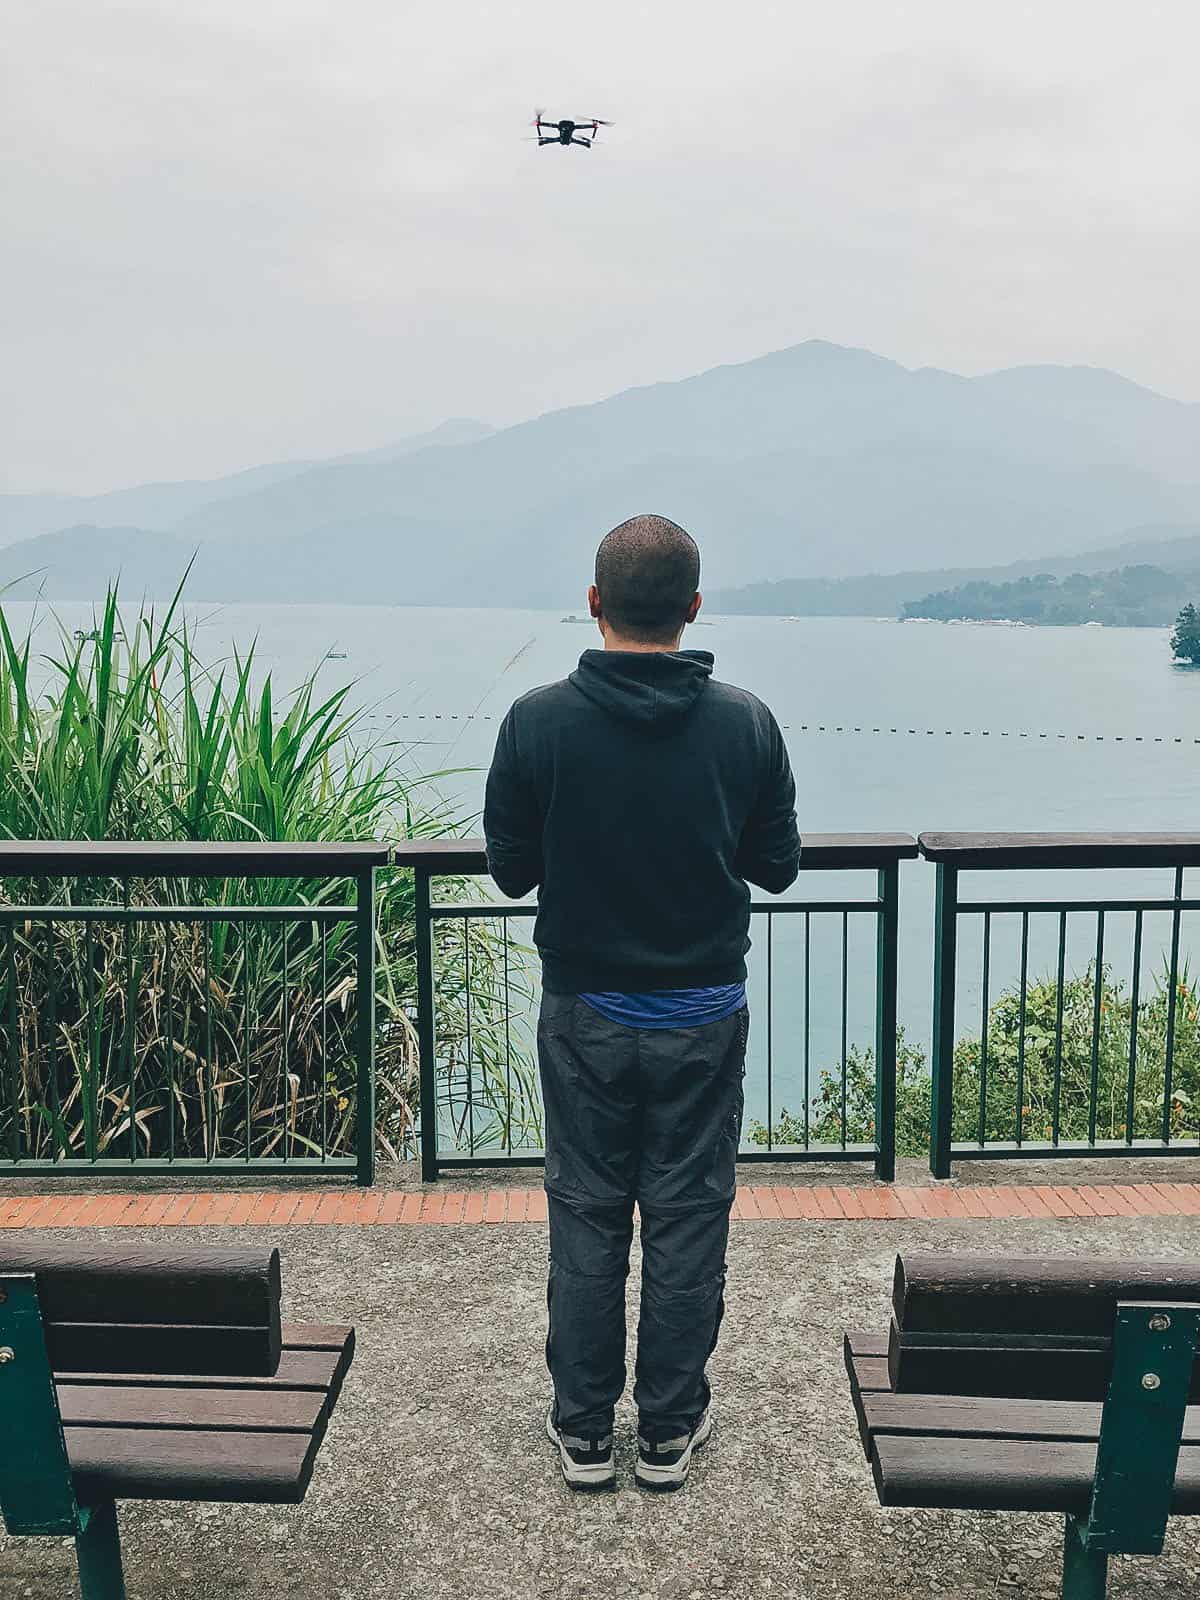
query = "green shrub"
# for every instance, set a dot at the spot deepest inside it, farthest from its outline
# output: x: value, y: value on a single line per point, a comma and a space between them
x: 1032, y: 1067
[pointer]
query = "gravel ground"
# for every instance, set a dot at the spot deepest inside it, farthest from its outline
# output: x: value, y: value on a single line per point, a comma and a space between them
x: 436, y: 1479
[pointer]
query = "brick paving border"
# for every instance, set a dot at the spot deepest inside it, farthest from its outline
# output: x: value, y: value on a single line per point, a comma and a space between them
x: 486, y: 1207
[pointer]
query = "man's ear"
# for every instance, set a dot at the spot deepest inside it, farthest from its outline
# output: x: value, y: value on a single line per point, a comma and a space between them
x: 594, y: 602
x: 694, y: 609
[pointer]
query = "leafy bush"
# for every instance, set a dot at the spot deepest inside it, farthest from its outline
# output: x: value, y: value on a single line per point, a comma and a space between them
x: 1086, y: 1051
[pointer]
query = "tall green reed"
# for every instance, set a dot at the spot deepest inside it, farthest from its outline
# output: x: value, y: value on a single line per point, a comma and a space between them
x: 230, y: 1039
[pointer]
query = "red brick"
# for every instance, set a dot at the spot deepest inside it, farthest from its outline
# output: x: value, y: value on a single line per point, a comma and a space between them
x: 1032, y: 1200
x: 154, y: 1209
x: 307, y: 1204
x: 850, y: 1200
x: 134, y: 1213
x: 789, y: 1203
x: 392, y: 1204
x: 14, y: 1209
x: 176, y: 1208
x: 914, y: 1204
x: 41, y: 1209
x: 1157, y: 1194
x: 348, y: 1209
x: 453, y: 1207
x: 950, y: 1202
x: 827, y: 1206
x: 538, y: 1209
x: 1053, y: 1201
x: 1103, y: 1200
x: 767, y: 1201
x: 474, y: 1207
x: 1076, y: 1205
x: 1143, y: 1205
x: 745, y: 1206
x: 431, y: 1207
x: 247, y: 1204
x: 972, y: 1203
x: 199, y: 1212
x: 494, y: 1206
x: 1013, y: 1201
x: 881, y: 1205
x: 1185, y: 1195
x: 518, y: 1205
x: 89, y: 1204
x: 370, y: 1204
x: 280, y: 1213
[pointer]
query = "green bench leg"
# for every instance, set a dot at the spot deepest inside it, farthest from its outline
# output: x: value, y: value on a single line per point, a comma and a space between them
x: 1085, y: 1572
x: 98, y: 1549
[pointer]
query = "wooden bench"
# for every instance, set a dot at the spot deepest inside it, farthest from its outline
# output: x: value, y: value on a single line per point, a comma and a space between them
x: 151, y: 1374
x: 1039, y: 1385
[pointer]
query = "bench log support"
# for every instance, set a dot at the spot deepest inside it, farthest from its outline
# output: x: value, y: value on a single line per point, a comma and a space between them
x: 37, y: 1492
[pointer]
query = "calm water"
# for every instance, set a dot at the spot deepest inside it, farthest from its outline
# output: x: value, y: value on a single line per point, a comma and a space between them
x: 437, y: 681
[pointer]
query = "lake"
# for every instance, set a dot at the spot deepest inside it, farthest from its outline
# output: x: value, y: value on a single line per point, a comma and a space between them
x: 978, y: 727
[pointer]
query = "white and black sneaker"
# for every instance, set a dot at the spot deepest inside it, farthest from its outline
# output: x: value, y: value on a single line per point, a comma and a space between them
x: 587, y: 1464
x: 664, y: 1464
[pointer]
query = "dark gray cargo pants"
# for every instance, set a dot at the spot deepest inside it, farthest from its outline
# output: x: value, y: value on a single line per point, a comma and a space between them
x: 652, y: 1116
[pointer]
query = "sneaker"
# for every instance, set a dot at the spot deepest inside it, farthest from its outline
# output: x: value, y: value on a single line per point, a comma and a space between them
x: 664, y: 1463
x: 587, y: 1464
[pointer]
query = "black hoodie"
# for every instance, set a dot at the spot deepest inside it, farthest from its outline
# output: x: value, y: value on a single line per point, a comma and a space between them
x: 640, y: 796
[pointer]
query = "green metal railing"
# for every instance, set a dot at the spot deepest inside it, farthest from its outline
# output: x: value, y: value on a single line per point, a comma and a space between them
x: 1077, y: 1061
x: 478, y: 1105
x: 184, y: 1008
x: 148, y: 1029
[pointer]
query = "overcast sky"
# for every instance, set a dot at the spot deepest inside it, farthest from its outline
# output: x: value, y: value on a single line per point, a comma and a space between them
x: 243, y: 230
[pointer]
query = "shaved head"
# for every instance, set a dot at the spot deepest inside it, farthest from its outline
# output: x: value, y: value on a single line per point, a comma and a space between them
x: 648, y: 572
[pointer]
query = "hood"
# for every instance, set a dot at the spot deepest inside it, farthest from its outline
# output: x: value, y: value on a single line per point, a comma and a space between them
x: 654, y: 689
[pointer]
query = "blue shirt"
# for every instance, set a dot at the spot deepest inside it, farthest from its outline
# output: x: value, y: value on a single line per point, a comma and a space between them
x: 669, y: 1008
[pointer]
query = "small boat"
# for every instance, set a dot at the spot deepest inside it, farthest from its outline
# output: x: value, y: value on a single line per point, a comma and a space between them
x: 336, y: 655
x: 571, y: 617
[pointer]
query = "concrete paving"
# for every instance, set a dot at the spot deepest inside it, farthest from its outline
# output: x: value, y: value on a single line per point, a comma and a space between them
x: 437, y: 1481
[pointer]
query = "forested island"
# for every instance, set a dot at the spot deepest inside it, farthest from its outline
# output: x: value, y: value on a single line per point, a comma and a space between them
x: 1128, y: 597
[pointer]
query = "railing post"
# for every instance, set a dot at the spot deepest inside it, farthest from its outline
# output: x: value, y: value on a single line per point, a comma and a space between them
x: 364, y: 1129
x: 945, y: 945
x: 426, y: 1026
x: 887, y: 963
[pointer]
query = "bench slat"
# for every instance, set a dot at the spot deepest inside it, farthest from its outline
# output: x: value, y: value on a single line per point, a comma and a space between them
x: 188, y: 1464
x: 933, y: 1415
x: 321, y: 1365
x: 1003, y: 1475
x: 161, y: 1406
x: 859, y: 1342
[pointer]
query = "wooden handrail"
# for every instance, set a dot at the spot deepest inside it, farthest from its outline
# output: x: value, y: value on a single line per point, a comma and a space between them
x: 975, y: 852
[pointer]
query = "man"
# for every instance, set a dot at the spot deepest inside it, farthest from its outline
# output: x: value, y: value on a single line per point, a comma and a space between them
x: 640, y: 797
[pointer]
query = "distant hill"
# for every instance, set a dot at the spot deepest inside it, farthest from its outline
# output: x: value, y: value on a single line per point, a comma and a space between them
x: 1176, y: 549
x: 1129, y: 597
x: 818, y: 461
x: 162, y: 505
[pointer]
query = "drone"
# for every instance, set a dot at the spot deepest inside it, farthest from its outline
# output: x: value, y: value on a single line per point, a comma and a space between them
x: 567, y: 131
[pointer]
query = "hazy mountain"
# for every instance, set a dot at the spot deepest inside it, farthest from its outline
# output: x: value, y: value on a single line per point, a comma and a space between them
x: 162, y: 505
x: 816, y: 461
